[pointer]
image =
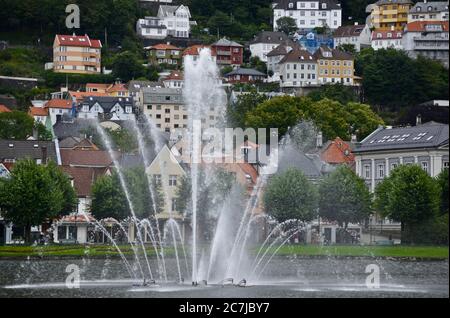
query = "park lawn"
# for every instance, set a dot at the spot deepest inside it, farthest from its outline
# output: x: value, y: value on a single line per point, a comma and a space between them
x: 71, y: 250
x: 438, y: 252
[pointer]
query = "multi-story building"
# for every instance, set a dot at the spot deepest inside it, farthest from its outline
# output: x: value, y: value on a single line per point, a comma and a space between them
x: 170, y: 21
x: 386, y: 148
x: 309, y: 14
x: 356, y: 35
x: 275, y: 56
x: 298, y: 69
x: 334, y: 66
x: 244, y: 75
x: 166, y: 108
x: 134, y: 88
x: 174, y: 80
x: 194, y: 51
x: 228, y: 52
x: 76, y: 54
x: 429, y: 11
x: 266, y: 41
x: 388, y: 14
x: 57, y: 108
x: 387, y: 39
x: 427, y: 38
x: 164, y: 54
x: 111, y: 108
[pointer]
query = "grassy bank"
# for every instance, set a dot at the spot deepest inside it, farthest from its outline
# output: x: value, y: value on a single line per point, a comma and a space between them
x: 438, y: 252
x: 70, y: 251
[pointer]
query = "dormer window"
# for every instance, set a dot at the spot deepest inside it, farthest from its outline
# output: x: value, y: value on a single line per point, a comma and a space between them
x: 291, y: 5
x: 324, y: 6
x: 430, y: 8
x: 419, y: 9
x: 389, y: 35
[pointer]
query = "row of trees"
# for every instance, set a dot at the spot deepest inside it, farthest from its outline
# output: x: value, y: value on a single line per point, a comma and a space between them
x: 409, y: 195
x: 19, y: 125
x: 332, y: 117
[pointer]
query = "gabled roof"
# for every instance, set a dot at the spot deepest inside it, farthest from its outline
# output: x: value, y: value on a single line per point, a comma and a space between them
x: 386, y: 35
x: 335, y: 54
x: 59, y: 103
x: 85, y: 158
x: 348, y: 31
x: 84, y: 178
x: 163, y: 46
x: 270, y: 37
x: 74, y: 40
x: 284, y: 4
x: 174, y: 75
x: 245, y: 71
x: 226, y: 42
x: 298, y: 56
x: 168, y: 11
x: 195, y: 50
x: 108, y: 102
x: 381, y: 2
x: 338, y: 152
x: 428, y: 135
x: 97, y: 85
x: 21, y: 149
x: 283, y: 48
x: 435, y: 6
x: 4, y: 109
x: 135, y: 85
x: 420, y: 26
x: 38, y: 111
x: 293, y: 158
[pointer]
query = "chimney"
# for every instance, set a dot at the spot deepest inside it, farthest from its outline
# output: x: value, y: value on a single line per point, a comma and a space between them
x: 354, y: 139
x: 44, y: 154
x: 319, y: 140
x: 419, y: 120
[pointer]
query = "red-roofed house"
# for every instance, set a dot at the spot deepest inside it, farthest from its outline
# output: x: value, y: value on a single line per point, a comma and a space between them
x: 194, y: 51
x: 338, y: 152
x: 38, y: 113
x: 174, y: 80
x: 427, y: 38
x: 386, y: 39
x: 4, y: 109
x: 76, y: 54
x: 164, y: 54
x: 57, y: 108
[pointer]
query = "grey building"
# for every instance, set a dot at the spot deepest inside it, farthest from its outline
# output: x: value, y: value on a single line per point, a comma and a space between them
x: 386, y: 148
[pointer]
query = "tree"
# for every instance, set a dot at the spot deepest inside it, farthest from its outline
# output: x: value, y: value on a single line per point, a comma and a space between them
x: 245, y: 103
x: 64, y: 185
x: 33, y: 194
x: 409, y: 195
x: 127, y: 66
x: 338, y: 92
x: 16, y: 125
x: 347, y: 47
x: 286, y: 25
x: 290, y: 195
x: 442, y: 181
x: 344, y: 197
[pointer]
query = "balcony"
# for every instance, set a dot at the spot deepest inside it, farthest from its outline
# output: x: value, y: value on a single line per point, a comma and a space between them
x: 227, y: 53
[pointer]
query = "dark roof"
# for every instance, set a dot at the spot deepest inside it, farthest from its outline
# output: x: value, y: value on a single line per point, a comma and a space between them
x: 135, y: 85
x: 84, y: 178
x: 310, y: 165
x: 21, y: 149
x: 298, y: 56
x: 270, y: 37
x: 245, y: 71
x: 283, y: 48
x: 73, y: 129
x: 108, y: 102
x: 284, y: 4
x: 348, y: 30
x: 381, y: 2
x: 335, y: 54
x: 428, y: 135
x: 85, y: 158
x: 226, y: 42
x: 436, y: 6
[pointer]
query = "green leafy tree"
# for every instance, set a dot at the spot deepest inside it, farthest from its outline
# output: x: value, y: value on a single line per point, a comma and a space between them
x: 16, y: 125
x: 409, y: 195
x: 347, y: 47
x: 290, y: 195
x: 64, y: 185
x: 245, y: 103
x: 338, y: 92
x: 344, y: 197
x: 33, y: 194
x: 442, y: 181
x: 127, y: 66
x: 286, y: 25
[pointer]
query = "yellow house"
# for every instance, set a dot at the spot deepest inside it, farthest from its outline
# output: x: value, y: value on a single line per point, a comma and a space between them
x: 167, y: 172
x: 335, y: 66
x: 389, y: 14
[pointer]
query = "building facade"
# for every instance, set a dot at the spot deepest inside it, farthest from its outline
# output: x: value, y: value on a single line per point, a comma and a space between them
x: 309, y: 14
x: 228, y: 52
x: 109, y: 108
x: 387, y: 39
x: 356, y: 35
x: 264, y: 42
x: 164, y: 54
x: 429, y: 11
x: 273, y: 60
x: 298, y: 69
x: 334, y: 66
x: 76, y: 54
x: 388, y: 14
x: 244, y: 75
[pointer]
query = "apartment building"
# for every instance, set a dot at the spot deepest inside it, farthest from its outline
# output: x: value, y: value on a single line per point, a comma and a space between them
x: 334, y: 66
x: 76, y: 54
x: 387, y: 39
x: 388, y: 14
x: 429, y: 11
x: 298, y: 69
x: 228, y: 52
x: 356, y: 35
x: 164, y: 54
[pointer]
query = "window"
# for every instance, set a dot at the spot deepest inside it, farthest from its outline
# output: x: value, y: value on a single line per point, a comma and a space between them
x: 424, y: 165
x: 174, y: 205
x: 380, y: 171
x: 167, y: 110
x: 157, y: 179
x: 173, y: 180
x: 367, y: 171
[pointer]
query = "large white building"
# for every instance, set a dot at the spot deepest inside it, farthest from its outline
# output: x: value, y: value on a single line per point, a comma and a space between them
x: 309, y: 14
x: 387, y: 39
x: 266, y: 41
x: 429, y: 11
x: 298, y: 69
x: 170, y: 21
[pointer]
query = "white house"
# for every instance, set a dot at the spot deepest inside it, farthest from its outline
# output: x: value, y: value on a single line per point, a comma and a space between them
x: 266, y: 41
x: 429, y: 11
x: 57, y: 108
x: 356, y: 35
x: 170, y: 21
x: 309, y: 14
x: 298, y: 69
x: 274, y: 57
x: 107, y: 107
x: 387, y: 39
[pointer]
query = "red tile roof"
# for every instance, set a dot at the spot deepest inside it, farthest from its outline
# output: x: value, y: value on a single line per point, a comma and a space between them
x: 59, y: 103
x: 386, y: 35
x: 116, y: 88
x: 79, y: 96
x: 85, y: 158
x: 4, y: 109
x: 163, y: 46
x: 38, y: 111
x: 97, y: 85
x: 84, y: 178
x: 338, y: 152
x: 195, y: 50
x: 174, y: 75
x: 83, y: 40
x: 419, y: 26
x: 77, y: 218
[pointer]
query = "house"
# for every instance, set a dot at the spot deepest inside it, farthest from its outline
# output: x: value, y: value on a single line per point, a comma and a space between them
x: 59, y: 107
x: 194, y: 51
x: 298, y: 69
x: 171, y: 21
x: 386, y: 39
x: 164, y: 54
x: 110, y: 108
x: 338, y: 152
x: 311, y: 41
x: 76, y: 54
x: 73, y: 228
x: 386, y: 15
x: 174, y: 80
x: 84, y: 167
x: 334, y: 66
x: 428, y: 39
x: 78, y: 96
x: 117, y: 89
x: 309, y: 14
x: 228, y: 52
x: 356, y: 35
x: 4, y: 109
x: 386, y: 148
x: 166, y: 171
x: 77, y: 143
x: 275, y: 56
x: 244, y: 75
x: 39, y: 114
x: 429, y: 11
x: 264, y: 42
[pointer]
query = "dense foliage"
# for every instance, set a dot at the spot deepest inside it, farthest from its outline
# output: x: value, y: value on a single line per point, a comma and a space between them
x: 19, y: 125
